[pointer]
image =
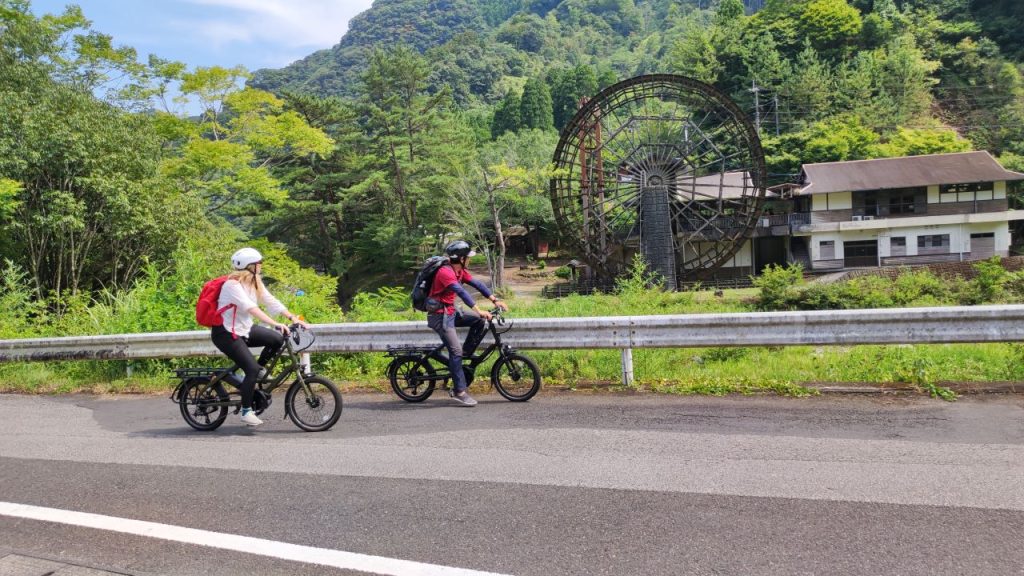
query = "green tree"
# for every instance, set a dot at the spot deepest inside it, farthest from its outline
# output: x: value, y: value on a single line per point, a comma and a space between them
x: 920, y: 141
x: 832, y: 140
x: 905, y: 81
x: 535, y: 108
x: 507, y: 185
x: 810, y: 88
x: 568, y: 88
x: 88, y: 206
x: 507, y: 115
x: 227, y: 159
x: 323, y: 210
x: 9, y: 190
x: 831, y: 25
x: 729, y: 11
x: 694, y: 56
x: 419, y: 147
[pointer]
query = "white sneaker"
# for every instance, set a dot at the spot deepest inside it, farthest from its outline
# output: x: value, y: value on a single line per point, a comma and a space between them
x: 249, y: 418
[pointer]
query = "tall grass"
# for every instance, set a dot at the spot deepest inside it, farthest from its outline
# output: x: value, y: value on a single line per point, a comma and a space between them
x: 163, y: 301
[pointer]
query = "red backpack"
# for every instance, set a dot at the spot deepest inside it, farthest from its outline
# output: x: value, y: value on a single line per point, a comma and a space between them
x: 207, y: 313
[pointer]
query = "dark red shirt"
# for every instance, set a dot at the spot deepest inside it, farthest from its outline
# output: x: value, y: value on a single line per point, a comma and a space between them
x: 441, y: 289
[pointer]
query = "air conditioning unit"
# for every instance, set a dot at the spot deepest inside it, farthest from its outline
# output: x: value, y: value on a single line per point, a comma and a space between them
x: 857, y: 218
x: 869, y: 217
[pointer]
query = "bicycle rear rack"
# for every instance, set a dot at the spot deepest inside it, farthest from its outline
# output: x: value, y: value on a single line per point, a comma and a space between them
x: 409, y: 350
x: 199, y: 372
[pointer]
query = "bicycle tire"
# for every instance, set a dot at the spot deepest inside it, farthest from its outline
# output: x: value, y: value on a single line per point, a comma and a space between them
x: 194, y: 394
x: 522, y: 379
x: 412, y: 378
x: 318, y: 412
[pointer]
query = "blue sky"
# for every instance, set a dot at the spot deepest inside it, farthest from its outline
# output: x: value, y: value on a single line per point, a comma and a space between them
x: 252, y: 33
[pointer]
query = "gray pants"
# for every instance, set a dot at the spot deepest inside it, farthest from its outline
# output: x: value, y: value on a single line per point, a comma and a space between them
x: 445, y: 325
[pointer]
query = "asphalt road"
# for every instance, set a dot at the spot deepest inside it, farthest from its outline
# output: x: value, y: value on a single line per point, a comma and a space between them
x: 564, y: 484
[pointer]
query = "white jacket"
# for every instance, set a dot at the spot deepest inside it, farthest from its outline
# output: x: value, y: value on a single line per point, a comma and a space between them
x: 238, y: 316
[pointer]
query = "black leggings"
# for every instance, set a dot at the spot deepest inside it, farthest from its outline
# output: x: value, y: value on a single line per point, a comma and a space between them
x: 237, y: 349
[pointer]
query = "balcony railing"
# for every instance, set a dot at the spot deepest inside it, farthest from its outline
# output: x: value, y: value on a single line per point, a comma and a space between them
x: 796, y: 218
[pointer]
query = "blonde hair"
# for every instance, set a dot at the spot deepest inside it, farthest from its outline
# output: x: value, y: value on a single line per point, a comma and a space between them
x: 248, y: 280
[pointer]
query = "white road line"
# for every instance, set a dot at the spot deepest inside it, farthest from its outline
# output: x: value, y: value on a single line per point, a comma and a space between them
x: 257, y: 546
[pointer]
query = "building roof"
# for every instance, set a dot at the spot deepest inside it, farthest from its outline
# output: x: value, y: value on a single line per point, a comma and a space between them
x: 906, y: 172
x: 729, y: 186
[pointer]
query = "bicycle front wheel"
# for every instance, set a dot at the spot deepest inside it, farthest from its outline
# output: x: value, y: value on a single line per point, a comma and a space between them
x: 412, y: 378
x: 197, y: 404
x: 516, y: 377
x: 314, y: 407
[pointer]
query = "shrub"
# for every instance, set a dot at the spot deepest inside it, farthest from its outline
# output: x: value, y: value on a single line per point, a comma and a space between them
x: 989, y: 281
x: 385, y: 305
x: 22, y: 311
x: 563, y: 272
x: 921, y: 287
x: 1014, y: 285
x: 638, y: 279
x: 778, y: 286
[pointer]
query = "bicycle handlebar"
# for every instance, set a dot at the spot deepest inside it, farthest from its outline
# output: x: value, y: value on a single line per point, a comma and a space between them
x: 497, y: 315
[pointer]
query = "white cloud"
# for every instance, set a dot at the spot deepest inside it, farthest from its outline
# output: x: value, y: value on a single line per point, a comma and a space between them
x: 287, y: 23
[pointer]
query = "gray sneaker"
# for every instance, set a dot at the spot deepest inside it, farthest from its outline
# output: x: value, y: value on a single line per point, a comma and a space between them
x: 464, y: 398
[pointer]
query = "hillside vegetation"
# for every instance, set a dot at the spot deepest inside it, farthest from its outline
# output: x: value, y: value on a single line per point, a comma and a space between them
x: 431, y: 119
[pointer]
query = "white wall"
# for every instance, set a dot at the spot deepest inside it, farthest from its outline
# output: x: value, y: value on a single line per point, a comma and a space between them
x: 832, y: 201
x: 742, y: 257
x: 959, y: 238
x: 998, y: 192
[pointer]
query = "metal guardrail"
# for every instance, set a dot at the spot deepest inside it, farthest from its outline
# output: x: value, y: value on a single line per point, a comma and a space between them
x: 845, y: 327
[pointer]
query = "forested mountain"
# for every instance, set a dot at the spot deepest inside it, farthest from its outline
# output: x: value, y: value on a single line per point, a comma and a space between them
x: 888, y: 64
x: 479, y: 41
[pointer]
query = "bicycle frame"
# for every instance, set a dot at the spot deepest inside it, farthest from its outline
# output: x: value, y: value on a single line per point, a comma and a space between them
x: 471, y: 363
x: 267, y: 384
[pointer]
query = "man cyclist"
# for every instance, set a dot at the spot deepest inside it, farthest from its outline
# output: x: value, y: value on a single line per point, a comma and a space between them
x: 446, y: 318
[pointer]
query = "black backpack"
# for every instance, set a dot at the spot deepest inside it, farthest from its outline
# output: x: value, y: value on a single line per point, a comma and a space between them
x: 424, y: 280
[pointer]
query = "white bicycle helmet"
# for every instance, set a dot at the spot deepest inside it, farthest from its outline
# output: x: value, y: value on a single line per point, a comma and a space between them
x: 243, y: 258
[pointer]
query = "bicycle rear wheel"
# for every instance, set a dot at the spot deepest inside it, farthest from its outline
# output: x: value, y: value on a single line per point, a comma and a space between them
x: 412, y: 378
x: 195, y: 403
x: 516, y: 377
x: 314, y: 407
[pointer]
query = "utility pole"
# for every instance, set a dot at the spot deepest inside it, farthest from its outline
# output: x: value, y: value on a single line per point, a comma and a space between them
x: 775, y: 100
x: 757, y: 104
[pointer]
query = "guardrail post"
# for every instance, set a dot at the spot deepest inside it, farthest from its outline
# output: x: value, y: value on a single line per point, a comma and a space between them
x: 627, y: 367
x: 304, y: 363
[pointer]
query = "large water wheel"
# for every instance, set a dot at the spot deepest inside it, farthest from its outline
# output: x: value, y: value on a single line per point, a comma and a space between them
x: 660, y: 165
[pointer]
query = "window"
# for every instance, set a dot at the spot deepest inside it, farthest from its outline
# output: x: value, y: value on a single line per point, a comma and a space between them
x: 898, y: 246
x: 983, y: 235
x: 827, y: 249
x: 870, y: 204
x: 972, y: 187
x: 964, y: 192
x: 901, y: 204
x: 933, y: 244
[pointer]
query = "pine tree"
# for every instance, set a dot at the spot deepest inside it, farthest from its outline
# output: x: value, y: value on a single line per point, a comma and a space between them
x: 535, y: 107
x: 506, y: 115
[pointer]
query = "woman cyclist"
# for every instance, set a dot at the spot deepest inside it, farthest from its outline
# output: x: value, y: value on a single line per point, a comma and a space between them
x: 240, y: 297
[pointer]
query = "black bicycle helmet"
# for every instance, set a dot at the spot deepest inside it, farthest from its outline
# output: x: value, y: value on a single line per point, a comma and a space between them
x: 458, y: 250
